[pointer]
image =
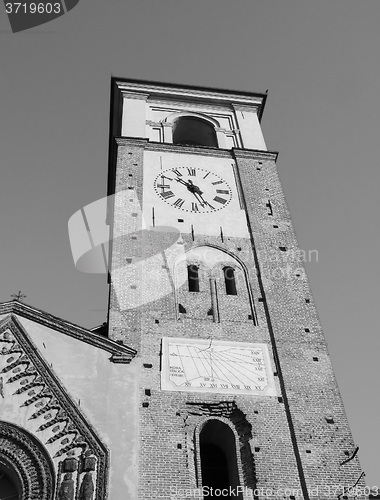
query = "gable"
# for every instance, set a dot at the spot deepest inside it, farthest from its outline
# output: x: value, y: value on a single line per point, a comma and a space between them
x: 33, y: 397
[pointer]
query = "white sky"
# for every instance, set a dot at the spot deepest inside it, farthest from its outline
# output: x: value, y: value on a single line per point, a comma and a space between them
x: 320, y: 62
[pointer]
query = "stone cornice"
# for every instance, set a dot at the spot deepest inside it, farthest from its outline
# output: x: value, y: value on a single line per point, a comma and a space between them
x: 255, y: 154
x: 194, y: 150
x: 172, y: 148
x: 246, y: 107
x: 122, y: 353
x: 186, y: 92
x: 135, y: 95
x: 131, y: 141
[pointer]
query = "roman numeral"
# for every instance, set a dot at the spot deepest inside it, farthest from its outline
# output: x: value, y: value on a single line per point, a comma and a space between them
x: 220, y: 200
x: 217, y: 182
x: 178, y: 203
x: 208, y: 173
x: 223, y: 191
x: 194, y: 207
x: 167, y: 194
x: 177, y: 172
x: 191, y: 171
x: 163, y: 186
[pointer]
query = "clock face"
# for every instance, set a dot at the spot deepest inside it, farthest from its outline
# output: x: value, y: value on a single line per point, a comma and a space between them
x: 216, y: 366
x: 193, y: 189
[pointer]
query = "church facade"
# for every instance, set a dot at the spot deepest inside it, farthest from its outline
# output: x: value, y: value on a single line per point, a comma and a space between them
x: 212, y: 377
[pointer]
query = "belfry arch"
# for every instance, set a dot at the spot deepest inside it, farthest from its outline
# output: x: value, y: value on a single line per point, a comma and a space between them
x: 193, y: 129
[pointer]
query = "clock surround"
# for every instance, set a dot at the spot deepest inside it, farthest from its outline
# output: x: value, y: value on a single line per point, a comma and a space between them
x: 193, y: 189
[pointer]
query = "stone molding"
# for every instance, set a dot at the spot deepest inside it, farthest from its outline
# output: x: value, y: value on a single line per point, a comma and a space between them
x: 185, y: 92
x: 115, y: 349
x: 256, y: 154
x: 246, y: 107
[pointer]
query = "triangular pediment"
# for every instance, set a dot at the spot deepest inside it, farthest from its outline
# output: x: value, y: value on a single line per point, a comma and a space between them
x: 119, y: 352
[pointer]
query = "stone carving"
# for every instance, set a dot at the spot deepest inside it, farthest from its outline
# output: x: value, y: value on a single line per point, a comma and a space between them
x: 32, y: 381
x: 66, y: 490
x: 87, y: 488
x: 29, y: 461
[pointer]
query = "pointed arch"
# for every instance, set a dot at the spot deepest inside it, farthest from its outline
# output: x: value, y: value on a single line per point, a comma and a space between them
x: 231, y: 300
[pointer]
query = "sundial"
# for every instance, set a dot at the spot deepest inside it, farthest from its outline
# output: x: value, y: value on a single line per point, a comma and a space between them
x: 216, y: 366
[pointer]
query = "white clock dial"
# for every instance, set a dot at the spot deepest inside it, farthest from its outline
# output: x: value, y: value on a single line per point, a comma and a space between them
x: 193, y: 189
x: 216, y: 366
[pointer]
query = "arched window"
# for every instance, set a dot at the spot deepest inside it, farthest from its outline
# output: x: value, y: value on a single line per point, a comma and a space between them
x: 193, y: 277
x: 218, y: 458
x: 229, y: 280
x: 194, y: 131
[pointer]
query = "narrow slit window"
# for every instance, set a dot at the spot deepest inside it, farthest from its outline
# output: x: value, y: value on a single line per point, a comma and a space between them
x: 229, y: 280
x: 193, y: 278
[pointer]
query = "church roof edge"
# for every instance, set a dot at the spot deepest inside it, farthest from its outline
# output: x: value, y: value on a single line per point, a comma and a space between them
x: 85, y: 335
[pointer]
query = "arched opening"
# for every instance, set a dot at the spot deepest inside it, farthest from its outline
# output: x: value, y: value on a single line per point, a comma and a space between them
x: 10, y: 487
x: 26, y: 469
x: 229, y: 280
x: 194, y: 131
x: 214, y: 467
x: 193, y: 278
x: 218, y: 460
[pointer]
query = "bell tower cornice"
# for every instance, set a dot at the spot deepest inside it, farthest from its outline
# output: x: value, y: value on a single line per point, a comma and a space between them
x: 160, y: 91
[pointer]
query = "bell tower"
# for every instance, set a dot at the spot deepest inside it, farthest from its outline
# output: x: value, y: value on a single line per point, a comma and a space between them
x: 234, y: 394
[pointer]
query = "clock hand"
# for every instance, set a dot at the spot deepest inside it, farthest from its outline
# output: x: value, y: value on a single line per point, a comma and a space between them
x: 199, y: 199
x: 193, y: 188
x: 182, y: 182
x: 198, y: 194
x: 190, y: 186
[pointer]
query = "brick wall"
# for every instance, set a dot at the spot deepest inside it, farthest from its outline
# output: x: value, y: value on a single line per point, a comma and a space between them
x: 297, y: 439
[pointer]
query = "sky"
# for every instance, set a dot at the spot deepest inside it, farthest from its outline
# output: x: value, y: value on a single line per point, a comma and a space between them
x: 320, y: 62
